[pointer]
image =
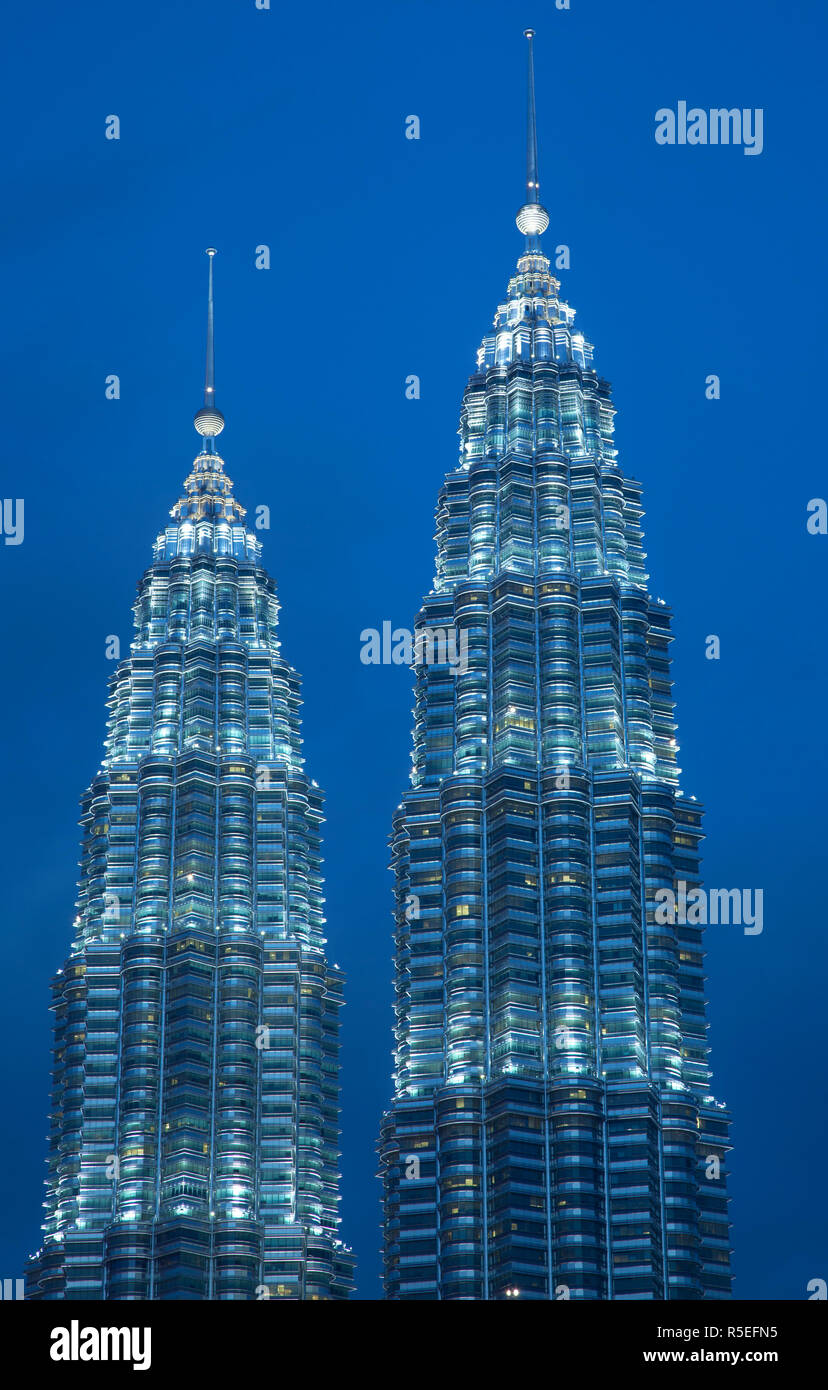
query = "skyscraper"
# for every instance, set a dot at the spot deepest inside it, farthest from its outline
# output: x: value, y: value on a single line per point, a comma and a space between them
x: 552, y: 1133
x: 194, y: 1117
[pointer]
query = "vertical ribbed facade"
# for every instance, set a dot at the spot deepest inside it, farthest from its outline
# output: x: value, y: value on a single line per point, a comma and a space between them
x: 553, y: 1132
x: 194, y: 1117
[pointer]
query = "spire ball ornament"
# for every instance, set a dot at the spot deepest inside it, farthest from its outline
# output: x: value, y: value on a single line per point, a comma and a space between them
x: 532, y: 219
x: 209, y: 421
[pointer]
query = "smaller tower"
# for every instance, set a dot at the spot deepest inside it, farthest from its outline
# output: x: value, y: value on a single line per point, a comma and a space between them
x: 194, y: 1141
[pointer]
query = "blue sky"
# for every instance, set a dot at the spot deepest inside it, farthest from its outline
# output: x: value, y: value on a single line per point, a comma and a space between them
x: 242, y: 127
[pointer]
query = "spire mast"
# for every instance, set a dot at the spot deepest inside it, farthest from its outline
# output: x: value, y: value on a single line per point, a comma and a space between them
x: 210, y: 364
x: 532, y: 188
x: 208, y: 421
x: 532, y: 219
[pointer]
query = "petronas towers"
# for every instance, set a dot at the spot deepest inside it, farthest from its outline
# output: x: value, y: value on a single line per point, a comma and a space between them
x: 194, y: 1141
x: 552, y: 1133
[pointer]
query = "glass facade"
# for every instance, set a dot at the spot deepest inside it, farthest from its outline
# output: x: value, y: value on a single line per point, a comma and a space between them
x: 553, y: 1133
x: 194, y: 1137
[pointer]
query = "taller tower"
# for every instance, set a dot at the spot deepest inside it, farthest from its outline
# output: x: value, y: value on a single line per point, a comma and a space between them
x: 194, y: 1127
x: 552, y: 1133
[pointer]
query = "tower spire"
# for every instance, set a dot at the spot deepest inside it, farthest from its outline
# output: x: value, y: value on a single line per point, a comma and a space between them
x: 532, y: 219
x: 210, y: 365
x: 209, y: 421
x: 532, y: 187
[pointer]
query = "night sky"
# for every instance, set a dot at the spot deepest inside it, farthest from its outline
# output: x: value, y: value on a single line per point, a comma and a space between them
x: 286, y: 127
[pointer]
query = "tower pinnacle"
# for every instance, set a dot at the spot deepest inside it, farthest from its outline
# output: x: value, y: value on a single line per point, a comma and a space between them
x: 532, y: 218
x: 209, y: 421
